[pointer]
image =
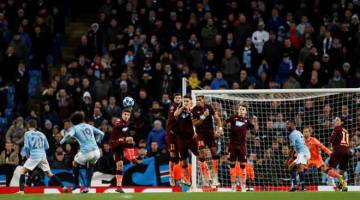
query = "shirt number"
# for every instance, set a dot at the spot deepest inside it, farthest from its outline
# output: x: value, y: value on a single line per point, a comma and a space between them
x: 37, y: 143
x: 345, y: 138
x: 87, y: 133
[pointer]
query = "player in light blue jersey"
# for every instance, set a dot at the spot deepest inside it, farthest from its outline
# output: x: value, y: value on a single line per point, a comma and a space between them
x: 35, y: 146
x: 89, y: 151
x: 300, y: 152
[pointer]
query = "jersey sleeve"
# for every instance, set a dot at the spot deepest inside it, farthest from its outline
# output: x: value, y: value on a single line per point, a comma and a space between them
x: 334, y: 135
x: 98, y: 133
x: 322, y: 147
x: 292, y: 140
x: 46, y: 143
x: 25, y: 151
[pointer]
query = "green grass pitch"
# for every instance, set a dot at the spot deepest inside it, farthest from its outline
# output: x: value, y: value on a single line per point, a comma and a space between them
x: 193, y: 196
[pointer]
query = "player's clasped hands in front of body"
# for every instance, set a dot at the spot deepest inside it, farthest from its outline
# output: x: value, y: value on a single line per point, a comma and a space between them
x: 129, y: 140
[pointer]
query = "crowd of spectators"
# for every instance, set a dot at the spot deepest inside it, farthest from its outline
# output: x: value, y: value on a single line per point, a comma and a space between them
x: 143, y: 48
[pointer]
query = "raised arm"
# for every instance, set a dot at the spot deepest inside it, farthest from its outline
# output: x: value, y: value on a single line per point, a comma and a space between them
x: 178, y: 111
x: 218, y: 123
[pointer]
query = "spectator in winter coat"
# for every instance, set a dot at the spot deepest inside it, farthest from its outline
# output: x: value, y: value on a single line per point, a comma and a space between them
x: 15, y: 133
x: 219, y: 82
x: 157, y: 134
x: 102, y: 88
x: 230, y: 66
x: 208, y: 34
x: 284, y: 69
x: 337, y: 80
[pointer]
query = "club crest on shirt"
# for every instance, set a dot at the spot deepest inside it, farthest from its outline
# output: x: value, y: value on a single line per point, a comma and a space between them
x: 125, y: 129
x: 239, y: 123
x: 184, y: 115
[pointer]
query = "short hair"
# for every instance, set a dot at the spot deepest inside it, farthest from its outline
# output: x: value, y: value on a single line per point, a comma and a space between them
x: 177, y: 94
x: 201, y: 96
x: 243, y: 105
x: 126, y: 110
x: 77, y: 118
x: 32, y: 123
x: 291, y: 121
x: 187, y: 97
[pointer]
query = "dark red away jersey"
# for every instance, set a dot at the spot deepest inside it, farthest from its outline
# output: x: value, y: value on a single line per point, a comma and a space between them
x: 119, y: 132
x: 184, y: 126
x: 207, y: 125
x: 171, y: 118
x: 239, y: 127
x: 339, y: 139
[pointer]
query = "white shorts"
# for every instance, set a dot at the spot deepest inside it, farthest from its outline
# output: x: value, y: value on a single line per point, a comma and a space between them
x: 43, y: 164
x: 302, y: 158
x: 83, y: 158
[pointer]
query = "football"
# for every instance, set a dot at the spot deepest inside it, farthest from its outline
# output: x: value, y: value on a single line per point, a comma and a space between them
x: 128, y: 102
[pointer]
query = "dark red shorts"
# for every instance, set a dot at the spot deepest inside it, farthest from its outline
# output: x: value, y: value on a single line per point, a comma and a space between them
x: 340, y: 158
x: 118, y: 156
x: 206, y: 140
x: 118, y: 153
x: 237, y: 153
x: 171, y: 142
x: 184, y: 146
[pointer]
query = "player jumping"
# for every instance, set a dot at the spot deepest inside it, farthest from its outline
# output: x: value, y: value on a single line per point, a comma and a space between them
x: 89, y: 152
x: 185, y: 137
x: 299, y: 150
x: 203, y: 116
x: 120, y: 141
x: 35, y: 145
x: 341, y: 153
x: 237, y: 146
x: 171, y: 137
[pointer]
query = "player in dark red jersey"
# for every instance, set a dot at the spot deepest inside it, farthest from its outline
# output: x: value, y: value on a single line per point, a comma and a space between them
x: 171, y: 136
x: 120, y: 140
x: 339, y: 140
x: 185, y: 136
x: 237, y: 146
x: 203, y: 117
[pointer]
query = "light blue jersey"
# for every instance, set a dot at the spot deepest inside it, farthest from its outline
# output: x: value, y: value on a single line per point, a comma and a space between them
x: 297, y: 142
x: 85, y: 135
x: 35, y: 145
